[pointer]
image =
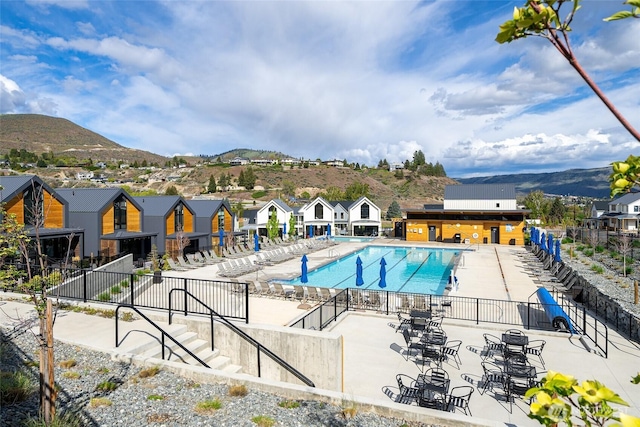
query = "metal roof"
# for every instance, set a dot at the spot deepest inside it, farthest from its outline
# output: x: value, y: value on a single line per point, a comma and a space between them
x: 626, y: 199
x: 12, y: 185
x: 480, y: 192
x: 90, y: 199
x: 207, y: 208
x: 159, y: 205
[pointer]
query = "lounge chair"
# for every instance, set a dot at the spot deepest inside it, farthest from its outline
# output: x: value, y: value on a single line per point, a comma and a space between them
x: 175, y: 266
x: 184, y: 263
x: 312, y: 293
x: 280, y: 291
x: 325, y: 293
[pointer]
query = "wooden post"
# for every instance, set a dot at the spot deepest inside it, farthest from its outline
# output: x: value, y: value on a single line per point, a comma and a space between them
x: 49, y: 410
x: 635, y: 292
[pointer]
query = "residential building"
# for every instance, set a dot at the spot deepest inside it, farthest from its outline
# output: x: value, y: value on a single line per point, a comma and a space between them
x: 281, y: 210
x: 357, y: 218
x: 213, y: 217
x: 472, y: 214
x: 174, y: 222
x: 622, y: 213
x: 598, y: 208
x: 317, y: 217
x: 45, y: 215
x: 112, y: 220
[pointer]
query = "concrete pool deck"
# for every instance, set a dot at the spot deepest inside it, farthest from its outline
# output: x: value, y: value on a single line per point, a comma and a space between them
x: 374, y: 352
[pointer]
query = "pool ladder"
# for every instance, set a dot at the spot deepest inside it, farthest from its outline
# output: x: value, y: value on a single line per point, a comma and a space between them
x: 333, y: 253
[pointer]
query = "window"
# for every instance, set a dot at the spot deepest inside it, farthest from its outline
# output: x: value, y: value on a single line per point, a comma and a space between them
x: 33, y: 201
x: 364, y: 211
x: 319, y: 211
x: 179, y: 218
x: 341, y: 215
x: 221, y: 219
x: 497, y: 205
x: 335, y: 215
x: 120, y: 213
x: 636, y: 208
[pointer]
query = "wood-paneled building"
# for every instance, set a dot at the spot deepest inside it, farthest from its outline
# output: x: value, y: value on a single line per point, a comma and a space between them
x: 472, y: 214
x: 38, y: 206
x: 112, y: 219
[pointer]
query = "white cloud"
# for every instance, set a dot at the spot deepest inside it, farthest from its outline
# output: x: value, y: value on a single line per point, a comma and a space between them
x: 12, y: 98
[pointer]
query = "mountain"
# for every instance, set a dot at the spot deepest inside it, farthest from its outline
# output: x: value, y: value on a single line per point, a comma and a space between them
x: 44, y: 134
x: 573, y: 182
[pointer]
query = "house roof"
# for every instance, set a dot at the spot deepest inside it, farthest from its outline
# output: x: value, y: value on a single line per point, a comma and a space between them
x: 282, y: 205
x: 160, y: 205
x: 250, y: 215
x: 12, y: 185
x: 91, y: 199
x: 601, y: 205
x: 480, y: 192
x: 627, y: 199
x: 207, y: 208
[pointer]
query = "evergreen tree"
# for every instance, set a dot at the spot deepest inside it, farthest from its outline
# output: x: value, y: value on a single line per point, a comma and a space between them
x: 272, y: 226
x: 292, y: 226
x: 171, y: 191
x: 394, y: 210
x: 212, y: 187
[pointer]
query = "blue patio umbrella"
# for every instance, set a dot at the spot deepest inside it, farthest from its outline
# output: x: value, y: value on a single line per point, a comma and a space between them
x: 534, y: 235
x: 311, y: 231
x: 359, y: 279
x: 284, y: 229
x: 303, y: 276
x: 557, y: 258
x: 542, y: 242
x: 383, y: 273
x: 256, y: 242
x: 328, y: 230
x: 550, y: 243
x: 221, y: 237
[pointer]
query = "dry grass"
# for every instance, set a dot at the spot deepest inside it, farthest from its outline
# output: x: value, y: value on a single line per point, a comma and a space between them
x: 66, y: 364
x: 208, y: 406
x: 97, y: 402
x: 238, y: 390
x: 149, y: 372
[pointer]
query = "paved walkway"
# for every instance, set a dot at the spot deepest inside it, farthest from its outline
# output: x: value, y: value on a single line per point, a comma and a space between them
x: 374, y: 351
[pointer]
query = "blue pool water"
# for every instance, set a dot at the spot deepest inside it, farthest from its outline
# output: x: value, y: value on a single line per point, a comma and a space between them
x: 419, y: 270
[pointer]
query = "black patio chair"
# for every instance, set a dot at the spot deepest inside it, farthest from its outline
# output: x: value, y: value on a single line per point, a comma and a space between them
x: 459, y: 398
x: 411, y: 344
x: 404, y: 320
x: 535, y: 347
x: 450, y: 351
x: 493, y: 374
x: 408, y: 392
x: 493, y: 345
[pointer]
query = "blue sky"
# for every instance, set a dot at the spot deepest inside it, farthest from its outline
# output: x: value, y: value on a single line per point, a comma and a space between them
x: 361, y: 81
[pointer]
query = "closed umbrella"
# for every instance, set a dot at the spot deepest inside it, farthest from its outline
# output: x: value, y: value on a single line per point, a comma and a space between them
x: 557, y: 258
x: 359, y: 279
x: 550, y: 243
x: 221, y: 237
x: 328, y: 230
x: 383, y: 273
x: 256, y: 242
x: 311, y: 231
x: 303, y: 276
x: 542, y: 242
x: 284, y: 229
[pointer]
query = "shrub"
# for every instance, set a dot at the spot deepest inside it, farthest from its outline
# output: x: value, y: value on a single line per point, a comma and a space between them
x: 124, y: 283
x: 127, y: 316
x: 66, y: 364
x: 588, y: 252
x: 597, y: 269
x: 96, y: 402
x: 116, y: 289
x: 238, y: 390
x: 289, y: 404
x: 155, y: 397
x: 107, y: 386
x: 263, y: 421
x: 15, y: 387
x: 149, y: 372
x: 599, y: 249
x: 103, y: 370
x: 258, y: 194
x: 208, y: 406
x: 628, y: 270
x: 105, y: 296
x: 65, y: 419
x: 72, y: 375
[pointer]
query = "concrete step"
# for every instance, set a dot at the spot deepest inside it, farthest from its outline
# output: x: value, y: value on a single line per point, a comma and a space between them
x: 139, y: 339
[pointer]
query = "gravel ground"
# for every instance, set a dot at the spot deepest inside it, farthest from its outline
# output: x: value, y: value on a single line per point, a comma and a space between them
x: 130, y: 402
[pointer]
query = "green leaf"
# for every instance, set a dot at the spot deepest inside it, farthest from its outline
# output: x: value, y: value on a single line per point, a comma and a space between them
x: 635, y: 3
x: 619, y: 15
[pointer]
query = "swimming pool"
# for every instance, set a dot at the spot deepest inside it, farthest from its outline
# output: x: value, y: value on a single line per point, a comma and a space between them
x: 409, y: 269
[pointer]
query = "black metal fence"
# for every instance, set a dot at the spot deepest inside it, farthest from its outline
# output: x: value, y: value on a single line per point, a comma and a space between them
x: 530, y: 315
x: 150, y: 291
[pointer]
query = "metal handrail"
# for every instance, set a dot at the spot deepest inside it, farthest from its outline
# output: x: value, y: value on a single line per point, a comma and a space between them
x: 259, y: 347
x: 152, y: 323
